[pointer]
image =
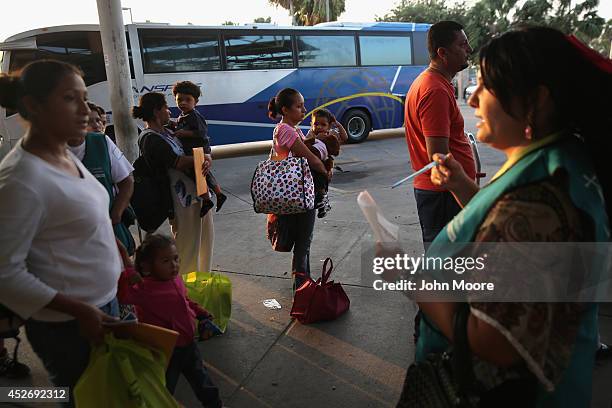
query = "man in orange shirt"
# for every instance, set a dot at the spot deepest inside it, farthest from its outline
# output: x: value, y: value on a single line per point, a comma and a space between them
x: 434, y: 124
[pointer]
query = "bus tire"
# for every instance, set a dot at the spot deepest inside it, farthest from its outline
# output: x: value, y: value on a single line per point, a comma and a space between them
x: 358, y: 124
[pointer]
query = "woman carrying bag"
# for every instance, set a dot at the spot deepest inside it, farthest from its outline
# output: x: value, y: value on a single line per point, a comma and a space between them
x: 288, y: 140
x: 59, y: 263
x: 554, y: 134
x: 164, y: 155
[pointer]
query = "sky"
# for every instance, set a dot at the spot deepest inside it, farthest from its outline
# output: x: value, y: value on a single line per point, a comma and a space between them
x: 23, y: 15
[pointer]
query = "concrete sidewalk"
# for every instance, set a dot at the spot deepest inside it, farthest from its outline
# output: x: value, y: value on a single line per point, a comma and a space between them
x: 359, y: 360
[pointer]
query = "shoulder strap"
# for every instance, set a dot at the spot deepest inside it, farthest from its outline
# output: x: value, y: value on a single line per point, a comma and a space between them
x: 142, y: 142
x: 462, y: 355
x: 98, y: 161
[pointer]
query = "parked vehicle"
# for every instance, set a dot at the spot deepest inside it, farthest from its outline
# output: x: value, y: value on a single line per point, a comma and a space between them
x: 360, y: 71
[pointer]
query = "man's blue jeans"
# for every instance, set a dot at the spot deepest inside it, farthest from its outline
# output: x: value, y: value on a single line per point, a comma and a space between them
x: 62, y: 349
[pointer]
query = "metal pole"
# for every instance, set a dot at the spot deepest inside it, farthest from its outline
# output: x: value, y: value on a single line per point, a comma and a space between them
x: 118, y: 75
x: 327, y: 10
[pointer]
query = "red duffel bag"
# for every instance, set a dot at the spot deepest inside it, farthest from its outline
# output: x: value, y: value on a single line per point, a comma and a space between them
x: 320, y: 300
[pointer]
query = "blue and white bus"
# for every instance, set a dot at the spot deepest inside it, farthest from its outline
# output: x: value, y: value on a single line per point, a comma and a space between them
x: 361, y: 71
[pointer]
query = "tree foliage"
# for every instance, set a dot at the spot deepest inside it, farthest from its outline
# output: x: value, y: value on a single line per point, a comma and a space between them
x: 604, y: 41
x: 311, y: 12
x: 487, y: 18
x: 263, y: 20
x: 425, y: 11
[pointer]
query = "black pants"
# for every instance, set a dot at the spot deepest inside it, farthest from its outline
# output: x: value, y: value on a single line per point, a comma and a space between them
x: 302, y: 230
x: 321, y: 186
x: 436, y: 209
x: 188, y: 361
x: 62, y: 349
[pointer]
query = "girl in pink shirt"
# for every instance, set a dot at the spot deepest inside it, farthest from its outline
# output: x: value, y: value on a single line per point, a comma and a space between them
x: 161, y: 299
x: 288, y: 139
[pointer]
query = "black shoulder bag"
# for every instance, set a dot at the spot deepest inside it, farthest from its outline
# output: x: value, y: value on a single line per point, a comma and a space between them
x: 151, y: 199
x: 447, y: 380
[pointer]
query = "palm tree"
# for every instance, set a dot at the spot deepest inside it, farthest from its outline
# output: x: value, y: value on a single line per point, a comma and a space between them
x: 311, y: 12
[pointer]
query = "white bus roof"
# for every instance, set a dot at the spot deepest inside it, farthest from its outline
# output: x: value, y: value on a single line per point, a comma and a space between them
x: 331, y: 26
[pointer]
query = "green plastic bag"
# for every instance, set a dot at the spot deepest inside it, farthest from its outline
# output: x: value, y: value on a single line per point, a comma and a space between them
x: 123, y: 373
x: 213, y: 292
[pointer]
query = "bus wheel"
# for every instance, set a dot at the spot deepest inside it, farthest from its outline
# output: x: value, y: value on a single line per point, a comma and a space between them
x: 357, y: 124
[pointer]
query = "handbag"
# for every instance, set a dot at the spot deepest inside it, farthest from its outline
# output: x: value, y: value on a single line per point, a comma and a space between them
x: 441, y: 380
x: 447, y: 380
x: 124, y: 373
x: 151, y: 199
x: 282, y: 186
x: 212, y: 291
x: 320, y: 300
x: 281, y: 232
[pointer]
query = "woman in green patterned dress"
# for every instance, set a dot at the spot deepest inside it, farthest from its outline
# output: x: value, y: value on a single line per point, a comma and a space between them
x: 543, y: 100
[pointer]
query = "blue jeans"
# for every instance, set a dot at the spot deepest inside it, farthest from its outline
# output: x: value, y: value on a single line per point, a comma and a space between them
x: 304, y: 228
x: 436, y: 209
x: 188, y: 361
x: 62, y: 349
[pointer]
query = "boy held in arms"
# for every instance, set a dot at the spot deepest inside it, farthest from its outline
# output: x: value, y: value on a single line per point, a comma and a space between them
x: 192, y: 131
x: 324, y: 140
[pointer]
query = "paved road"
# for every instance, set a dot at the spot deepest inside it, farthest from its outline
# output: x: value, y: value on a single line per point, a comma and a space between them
x: 265, y: 359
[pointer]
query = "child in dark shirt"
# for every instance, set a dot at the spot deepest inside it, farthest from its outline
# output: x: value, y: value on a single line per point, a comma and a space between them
x: 192, y: 130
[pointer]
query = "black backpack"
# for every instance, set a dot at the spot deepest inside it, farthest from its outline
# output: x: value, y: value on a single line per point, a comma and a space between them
x: 151, y: 199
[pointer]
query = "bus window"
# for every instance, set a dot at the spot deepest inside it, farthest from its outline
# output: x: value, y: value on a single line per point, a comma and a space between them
x: 258, y: 51
x: 421, y: 54
x: 81, y: 48
x: 179, y: 51
x: 385, y: 50
x: 326, y: 51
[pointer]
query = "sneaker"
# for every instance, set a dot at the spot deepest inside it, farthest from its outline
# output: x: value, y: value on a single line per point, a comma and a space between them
x: 11, y: 368
x: 220, y: 200
x: 325, y: 208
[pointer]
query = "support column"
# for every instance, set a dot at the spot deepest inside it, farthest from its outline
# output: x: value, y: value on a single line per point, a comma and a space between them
x: 116, y: 62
